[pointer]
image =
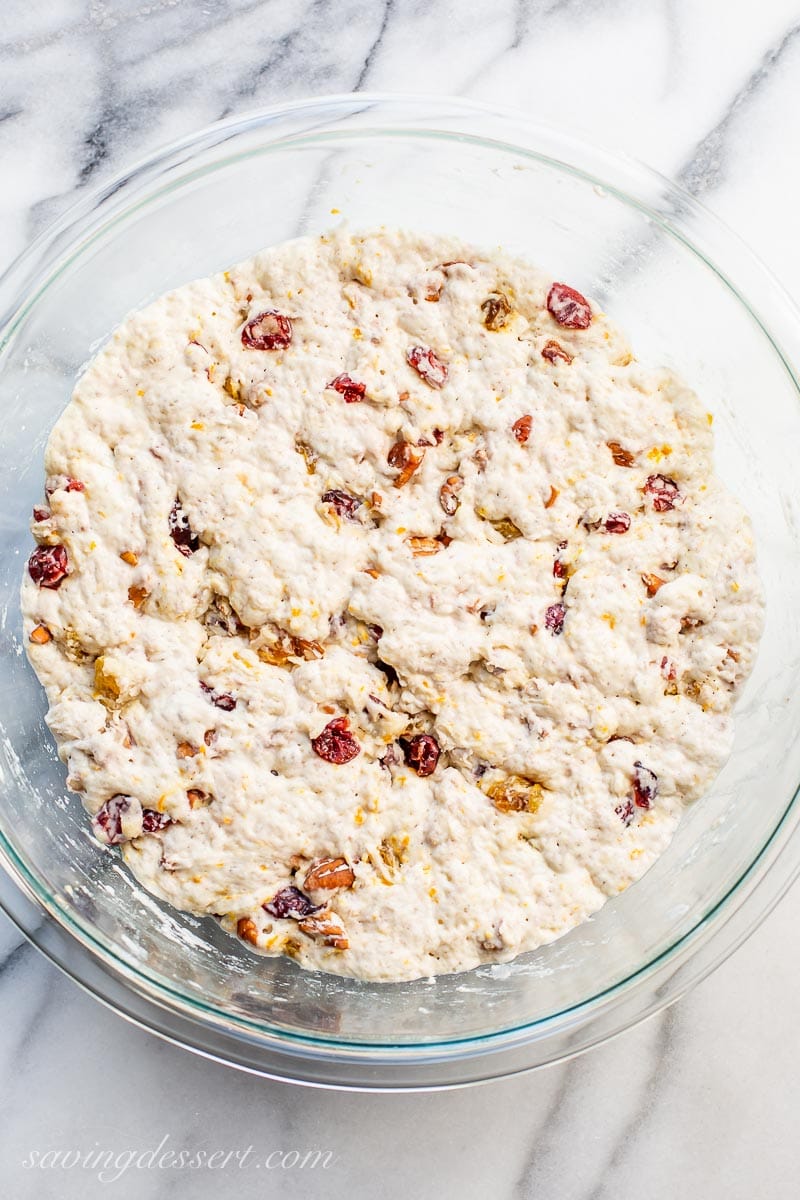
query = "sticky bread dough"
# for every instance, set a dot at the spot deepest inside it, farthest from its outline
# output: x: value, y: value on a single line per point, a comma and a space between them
x: 577, y: 675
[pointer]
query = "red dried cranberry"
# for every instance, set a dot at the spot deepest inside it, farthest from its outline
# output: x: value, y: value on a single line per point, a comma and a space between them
x: 618, y: 522
x: 625, y: 811
x: 47, y: 566
x: 645, y: 785
x: 152, y: 820
x: 568, y: 307
x: 554, y: 618
x: 342, y: 503
x: 664, y: 491
x: 184, y: 537
x: 559, y: 570
x: 290, y: 902
x: 669, y: 669
x: 74, y: 485
x: 428, y: 365
x: 421, y: 753
x: 222, y: 700
x: 348, y: 388
x: 270, y: 330
x: 107, y: 822
x: 41, y: 513
x: 335, y: 743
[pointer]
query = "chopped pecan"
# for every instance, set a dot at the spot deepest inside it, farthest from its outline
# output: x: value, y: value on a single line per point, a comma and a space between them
x: 522, y: 428
x: 329, y: 873
x: 621, y: 456
x: 327, y: 927
x: 247, y: 930
x: 448, y: 494
x: 406, y: 458
x: 553, y: 350
x: 423, y: 546
x: 652, y: 583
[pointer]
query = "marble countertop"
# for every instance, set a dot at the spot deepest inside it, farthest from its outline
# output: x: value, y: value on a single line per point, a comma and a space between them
x: 701, y: 1099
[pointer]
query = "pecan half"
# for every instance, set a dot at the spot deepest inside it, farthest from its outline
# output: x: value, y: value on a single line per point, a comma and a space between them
x: 448, y: 494
x: 329, y: 873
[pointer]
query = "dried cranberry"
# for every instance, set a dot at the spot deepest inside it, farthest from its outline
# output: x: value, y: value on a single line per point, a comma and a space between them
x: 669, y: 669
x: 291, y: 902
x: 554, y: 618
x: 74, y: 485
x: 184, y: 537
x: 41, y: 513
x: 221, y: 700
x: 421, y: 753
x: 107, y: 822
x: 428, y: 365
x: 270, y: 330
x: 568, y: 307
x: 342, y: 503
x: 152, y: 820
x: 625, y: 811
x: 522, y: 428
x: 559, y: 569
x: 664, y: 491
x: 618, y: 522
x: 335, y: 743
x: 645, y: 785
x: 47, y: 566
x: 348, y: 388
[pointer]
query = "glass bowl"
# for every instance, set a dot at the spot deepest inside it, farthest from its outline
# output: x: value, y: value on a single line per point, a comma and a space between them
x: 690, y: 295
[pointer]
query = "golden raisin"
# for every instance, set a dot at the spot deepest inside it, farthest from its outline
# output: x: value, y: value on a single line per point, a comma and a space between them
x: 137, y: 595
x: 130, y: 557
x: 515, y: 793
x: 40, y: 635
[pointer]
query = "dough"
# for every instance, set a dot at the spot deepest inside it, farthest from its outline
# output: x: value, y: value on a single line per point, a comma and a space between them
x: 388, y: 609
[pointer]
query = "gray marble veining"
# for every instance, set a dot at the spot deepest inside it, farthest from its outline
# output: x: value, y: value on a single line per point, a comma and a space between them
x: 701, y: 1100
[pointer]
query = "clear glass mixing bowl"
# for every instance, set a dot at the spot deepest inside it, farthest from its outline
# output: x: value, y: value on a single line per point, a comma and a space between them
x: 690, y: 295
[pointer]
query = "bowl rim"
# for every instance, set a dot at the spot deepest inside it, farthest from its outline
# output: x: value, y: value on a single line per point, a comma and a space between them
x: 31, y: 273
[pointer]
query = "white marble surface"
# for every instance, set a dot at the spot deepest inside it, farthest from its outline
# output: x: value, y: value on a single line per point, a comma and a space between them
x: 702, y: 1100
